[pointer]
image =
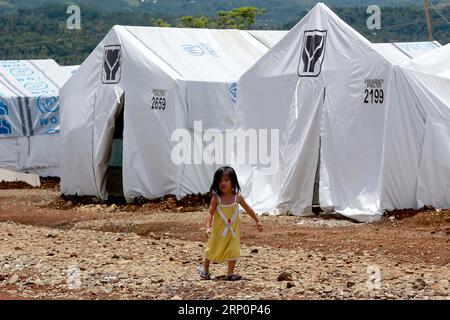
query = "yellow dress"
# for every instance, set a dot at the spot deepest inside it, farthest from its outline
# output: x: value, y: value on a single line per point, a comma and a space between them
x: 224, y: 244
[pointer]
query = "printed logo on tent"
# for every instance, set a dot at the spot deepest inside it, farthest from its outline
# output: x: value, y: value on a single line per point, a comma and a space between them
x: 193, y: 49
x: 36, y: 86
x: 47, y: 104
x: 3, y: 108
x: 52, y: 131
x: 233, y: 92
x: 313, y: 52
x: 111, y: 64
x: 5, y: 127
x: 21, y: 72
x: 199, y: 49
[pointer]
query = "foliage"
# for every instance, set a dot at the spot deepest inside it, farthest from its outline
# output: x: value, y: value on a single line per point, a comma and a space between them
x: 38, y: 33
x: 237, y: 18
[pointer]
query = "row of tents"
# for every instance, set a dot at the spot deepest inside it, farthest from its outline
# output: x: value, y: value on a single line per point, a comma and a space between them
x: 363, y: 127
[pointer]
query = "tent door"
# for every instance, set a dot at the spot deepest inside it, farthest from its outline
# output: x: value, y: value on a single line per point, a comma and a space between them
x: 316, y: 199
x: 114, y: 182
x: 316, y: 191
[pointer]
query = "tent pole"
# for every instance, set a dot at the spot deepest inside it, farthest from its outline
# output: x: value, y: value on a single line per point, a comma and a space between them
x: 427, y: 16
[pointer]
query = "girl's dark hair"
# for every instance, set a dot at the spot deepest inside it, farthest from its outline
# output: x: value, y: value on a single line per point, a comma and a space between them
x: 229, y: 171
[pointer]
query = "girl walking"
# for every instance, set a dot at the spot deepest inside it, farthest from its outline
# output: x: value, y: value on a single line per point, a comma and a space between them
x: 222, y: 223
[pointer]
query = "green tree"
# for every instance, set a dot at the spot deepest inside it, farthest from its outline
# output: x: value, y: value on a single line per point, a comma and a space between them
x: 244, y: 17
x: 194, y: 22
x: 223, y: 20
x: 159, y: 23
x: 238, y: 18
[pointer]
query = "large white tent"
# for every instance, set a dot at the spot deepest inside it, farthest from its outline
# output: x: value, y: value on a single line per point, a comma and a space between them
x: 374, y: 127
x: 162, y: 79
x: 428, y: 76
x: 29, y: 116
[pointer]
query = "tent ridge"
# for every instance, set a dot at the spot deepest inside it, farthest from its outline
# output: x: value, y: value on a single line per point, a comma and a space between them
x: 145, y: 45
x: 44, y: 73
x: 259, y: 40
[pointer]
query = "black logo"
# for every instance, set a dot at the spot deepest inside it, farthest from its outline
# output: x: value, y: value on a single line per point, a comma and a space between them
x: 313, y: 52
x: 111, y: 64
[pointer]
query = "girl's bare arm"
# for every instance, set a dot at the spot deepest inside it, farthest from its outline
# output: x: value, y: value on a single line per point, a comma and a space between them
x: 210, y: 215
x: 249, y: 211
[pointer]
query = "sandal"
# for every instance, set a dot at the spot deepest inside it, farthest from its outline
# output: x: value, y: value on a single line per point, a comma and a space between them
x: 204, y: 275
x: 233, y: 277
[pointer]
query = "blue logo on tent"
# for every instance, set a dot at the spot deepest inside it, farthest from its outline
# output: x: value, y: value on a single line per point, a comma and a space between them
x: 52, y: 131
x: 21, y: 72
x: 233, y: 91
x: 36, y: 85
x: 5, y: 127
x: 48, y: 104
x: 3, y: 108
x: 193, y: 49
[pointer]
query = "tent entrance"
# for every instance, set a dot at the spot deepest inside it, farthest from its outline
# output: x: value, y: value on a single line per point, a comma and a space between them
x: 319, y: 102
x: 114, y: 181
x: 316, y: 200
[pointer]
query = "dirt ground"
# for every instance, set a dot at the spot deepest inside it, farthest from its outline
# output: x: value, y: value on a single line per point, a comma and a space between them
x: 66, y: 248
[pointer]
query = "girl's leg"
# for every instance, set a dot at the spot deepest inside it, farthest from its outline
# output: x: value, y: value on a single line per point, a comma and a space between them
x: 231, y: 266
x: 206, y: 265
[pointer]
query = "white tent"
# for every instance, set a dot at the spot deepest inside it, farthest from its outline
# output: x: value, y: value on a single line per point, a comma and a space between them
x: 71, y: 69
x: 29, y: 116
x: 403, y: 52
x: 436, y: 62
x: 268, y: 37
x: 370, y: 120
x: 428, y: 76
x: 162, y: 79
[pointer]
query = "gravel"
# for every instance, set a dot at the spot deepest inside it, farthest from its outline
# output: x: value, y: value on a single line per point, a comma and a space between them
x: 87, y: 262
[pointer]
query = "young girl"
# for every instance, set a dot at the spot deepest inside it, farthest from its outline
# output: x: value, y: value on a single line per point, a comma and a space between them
x: 222, y: 223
